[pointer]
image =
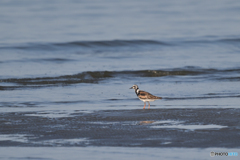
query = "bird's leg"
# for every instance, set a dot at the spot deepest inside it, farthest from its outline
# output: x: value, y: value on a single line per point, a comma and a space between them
x: 148, y: 105
x: 144, y: 105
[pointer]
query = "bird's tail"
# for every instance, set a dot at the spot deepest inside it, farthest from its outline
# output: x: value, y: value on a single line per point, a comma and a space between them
x: 158, y: 97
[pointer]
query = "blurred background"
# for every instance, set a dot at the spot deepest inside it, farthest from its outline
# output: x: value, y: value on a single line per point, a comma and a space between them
x: 60, y: 58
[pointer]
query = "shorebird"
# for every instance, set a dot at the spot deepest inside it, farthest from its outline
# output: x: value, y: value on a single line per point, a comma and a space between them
x: 144, y: 96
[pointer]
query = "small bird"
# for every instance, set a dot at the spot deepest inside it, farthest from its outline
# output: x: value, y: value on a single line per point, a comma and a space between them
x: 144, y: 96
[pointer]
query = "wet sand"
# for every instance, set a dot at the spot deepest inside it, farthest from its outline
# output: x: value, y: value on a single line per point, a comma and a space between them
x: 198, y: 128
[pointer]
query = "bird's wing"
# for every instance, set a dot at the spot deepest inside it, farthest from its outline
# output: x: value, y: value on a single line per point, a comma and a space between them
x: 150, y: 96
x: 146, y: 95
x: 142, y: 94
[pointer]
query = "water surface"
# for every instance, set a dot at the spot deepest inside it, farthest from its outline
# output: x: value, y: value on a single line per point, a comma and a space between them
x: 66, y: 68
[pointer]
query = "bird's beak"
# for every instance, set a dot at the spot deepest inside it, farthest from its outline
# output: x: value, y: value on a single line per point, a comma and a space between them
x: 131, y: 88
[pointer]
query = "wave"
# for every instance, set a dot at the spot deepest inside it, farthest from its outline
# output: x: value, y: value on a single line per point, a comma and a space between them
x: 112, y: 43
x: 85, y: 44
x: 212, y: 41
x: 230, y: 40
x: 97, y: 76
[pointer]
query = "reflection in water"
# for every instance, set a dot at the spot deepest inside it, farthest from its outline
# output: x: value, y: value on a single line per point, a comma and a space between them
x: 192, y: 127
x: 145, y: 122
x: 180, y: 125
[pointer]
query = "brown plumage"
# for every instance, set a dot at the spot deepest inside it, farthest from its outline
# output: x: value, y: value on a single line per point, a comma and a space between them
x: 144, y: 96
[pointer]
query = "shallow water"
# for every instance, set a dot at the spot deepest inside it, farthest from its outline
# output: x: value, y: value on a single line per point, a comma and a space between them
x: 201, y: 128
x: 66, y: 67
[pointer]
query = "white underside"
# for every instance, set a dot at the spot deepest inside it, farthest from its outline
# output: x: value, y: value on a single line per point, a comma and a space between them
x: 148, y: 100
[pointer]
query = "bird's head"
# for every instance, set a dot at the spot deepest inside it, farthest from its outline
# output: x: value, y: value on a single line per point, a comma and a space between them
x: 134, y: 87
